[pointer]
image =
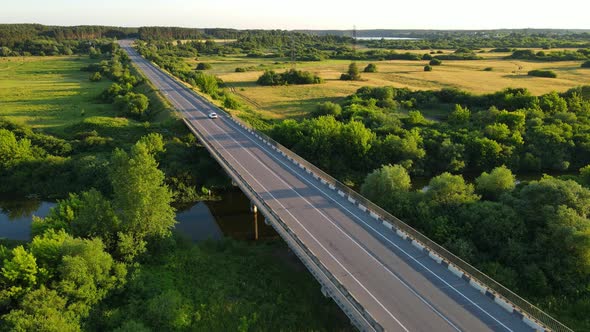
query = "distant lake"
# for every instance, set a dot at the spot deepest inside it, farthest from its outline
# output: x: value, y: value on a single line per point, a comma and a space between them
x: 386, y: 38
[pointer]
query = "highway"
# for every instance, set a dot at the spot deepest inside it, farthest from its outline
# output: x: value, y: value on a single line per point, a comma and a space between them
x: 397, y: 284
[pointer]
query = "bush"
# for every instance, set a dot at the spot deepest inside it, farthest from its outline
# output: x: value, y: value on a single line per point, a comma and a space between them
x: 488, y: 69
x: 95, y: 77
x: 352, y: 74
x: 203, y: 66
x: 435, y: 62
x: 427, y: 56
x: 542, y: 73
x: 586, y: 64
x: 371, y: 68
x: 291, y: 76
x: 327, y: 108
x: 231, y: 102
x: 427, y: 68
x: 240, y: 70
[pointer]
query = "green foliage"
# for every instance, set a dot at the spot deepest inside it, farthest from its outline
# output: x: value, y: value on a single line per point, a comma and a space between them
x: 460, y: 116
x: 585, y: 175
x: 203, y: 66
x: 450, y: 190
x: 585, y: 64
x: 428, y: 68
x: 42, y: 310
x: 328, y: 108
x: 140, y: 195
x: 542, y: 73
x: 370, y: 68
x: 95, y: 77
x: 352, y: 74
x: 498, y: 181
x: 291, y: 76
x: 435, y: 62
x: 229, y: 101
x: 385, y: 183
x: 18, y: 275
x: 133, y: 104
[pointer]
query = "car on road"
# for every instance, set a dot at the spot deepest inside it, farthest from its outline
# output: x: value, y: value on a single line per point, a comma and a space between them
x: 213, y: 115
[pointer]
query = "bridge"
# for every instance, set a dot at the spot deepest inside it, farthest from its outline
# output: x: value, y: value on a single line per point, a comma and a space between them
x: 382, y: 273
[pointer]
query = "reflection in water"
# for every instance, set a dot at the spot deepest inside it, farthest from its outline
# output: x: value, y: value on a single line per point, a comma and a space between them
x: 230, y: 217
x: 16, y: 217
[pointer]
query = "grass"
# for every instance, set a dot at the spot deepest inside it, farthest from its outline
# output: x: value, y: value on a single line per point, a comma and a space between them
x: 223, y: 286
x: 49, y: 93
x: 296, y: 101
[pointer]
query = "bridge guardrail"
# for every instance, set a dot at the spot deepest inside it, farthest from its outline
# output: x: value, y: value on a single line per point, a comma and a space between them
x: 282, y: 224
x: 534, y: 313
x: 531, y: 310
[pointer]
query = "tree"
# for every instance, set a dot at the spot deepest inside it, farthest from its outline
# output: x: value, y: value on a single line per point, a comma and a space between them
x: 586, y: 64
x: 428, y: 68
x: 327, y: 108
x: 499, y: 180
x: 385, y: 183
x: 96, y: 218
x: 18, y: 274
x: 141, y: 198
x: 585, y: 175
x: 95, y: 77
x: 435, y: 62
x: 12, y: 150
x: 450, y: 190
x: 42, y: 310
x: 134, y: 104
x: 460, y: 116
x: 370, y: 68
x: 352, y: 74
x: 203, y: 66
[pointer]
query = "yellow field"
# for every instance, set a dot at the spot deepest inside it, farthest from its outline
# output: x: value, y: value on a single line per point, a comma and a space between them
x: 294, y: 101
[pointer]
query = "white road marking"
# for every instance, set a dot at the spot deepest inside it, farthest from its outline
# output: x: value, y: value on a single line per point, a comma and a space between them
x: 353, y: 214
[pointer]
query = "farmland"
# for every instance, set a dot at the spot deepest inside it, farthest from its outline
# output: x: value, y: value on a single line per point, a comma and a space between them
x: 469, y: 75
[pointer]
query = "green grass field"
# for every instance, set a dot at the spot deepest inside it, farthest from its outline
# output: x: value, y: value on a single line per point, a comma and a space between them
x: 295, y: 101
x: 49, y: 92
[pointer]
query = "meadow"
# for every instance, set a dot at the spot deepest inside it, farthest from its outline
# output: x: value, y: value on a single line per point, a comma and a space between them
x: 50, y: 93
x: 295, y: 101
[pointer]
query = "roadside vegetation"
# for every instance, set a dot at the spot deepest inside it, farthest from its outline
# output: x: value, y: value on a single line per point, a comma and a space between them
x: 470, y: 130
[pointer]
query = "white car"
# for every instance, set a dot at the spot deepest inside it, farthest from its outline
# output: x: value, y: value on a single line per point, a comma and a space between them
x: 213, y: 116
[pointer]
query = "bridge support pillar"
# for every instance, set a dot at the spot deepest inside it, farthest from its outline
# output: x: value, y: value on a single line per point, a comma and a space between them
x: 255, y: 226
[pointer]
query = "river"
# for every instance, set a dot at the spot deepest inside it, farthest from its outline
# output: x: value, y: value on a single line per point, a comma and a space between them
x: 228, y: 217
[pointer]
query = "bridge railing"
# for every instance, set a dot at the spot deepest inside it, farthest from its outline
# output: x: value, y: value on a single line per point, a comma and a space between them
x: 532, y: 311
x: 495, y: 287
x: 262, y: 205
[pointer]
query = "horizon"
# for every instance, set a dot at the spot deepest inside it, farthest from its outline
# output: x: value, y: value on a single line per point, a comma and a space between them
x: 303, y: 14
x: 295, y: 29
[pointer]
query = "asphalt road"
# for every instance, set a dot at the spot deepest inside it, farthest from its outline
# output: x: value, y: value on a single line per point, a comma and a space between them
x: 399, y: 285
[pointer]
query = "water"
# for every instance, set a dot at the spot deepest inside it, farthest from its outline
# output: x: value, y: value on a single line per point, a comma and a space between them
x: 228, y: 217
x: 386, y: 38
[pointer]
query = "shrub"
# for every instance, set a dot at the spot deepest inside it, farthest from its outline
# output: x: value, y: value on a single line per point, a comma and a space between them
x: 586, y: 64
x: 352, y: 74
x: 427, y: 56
x: 203, y: 66
x: 95, y: 77
x: 291, y: 76
x: 542, y: 73
x: 371, y: 68
x: 240, y: 70
x: 427, y: 68
x: 488, y: 69
x: 327, y: 108
x: 435, y: 62
x: 231, y: 102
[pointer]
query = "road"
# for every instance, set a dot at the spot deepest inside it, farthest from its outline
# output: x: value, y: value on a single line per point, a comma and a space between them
x: 398, y: 285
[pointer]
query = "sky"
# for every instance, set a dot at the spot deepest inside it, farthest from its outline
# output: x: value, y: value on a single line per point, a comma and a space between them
x: 304, y: 14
